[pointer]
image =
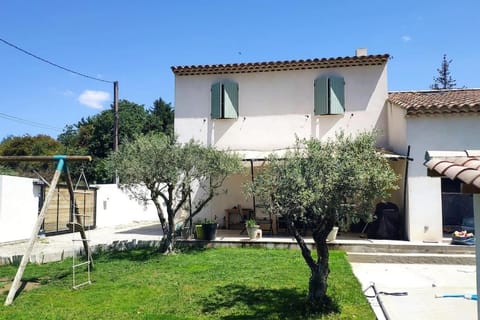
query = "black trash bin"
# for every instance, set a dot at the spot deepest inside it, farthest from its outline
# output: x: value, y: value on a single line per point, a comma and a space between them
x: 387, y: 222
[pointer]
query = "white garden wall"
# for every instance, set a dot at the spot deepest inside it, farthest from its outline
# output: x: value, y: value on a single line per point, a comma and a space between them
x: 116, y: 207
x: 19, y: 207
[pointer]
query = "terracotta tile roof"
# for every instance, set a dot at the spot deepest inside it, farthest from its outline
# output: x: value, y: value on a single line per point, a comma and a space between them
x: 462, y: 165
x: 455, y: 101
x: 281, y: 65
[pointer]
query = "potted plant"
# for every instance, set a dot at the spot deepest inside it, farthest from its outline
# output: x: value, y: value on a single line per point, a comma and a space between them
x: 209, y: 229
x: 253, y: 229
x: 332, y: 235
x: 200, y: 235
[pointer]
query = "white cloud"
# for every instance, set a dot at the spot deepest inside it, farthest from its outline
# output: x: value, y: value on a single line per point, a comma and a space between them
x: 94, y: 99
x: 406, y: 38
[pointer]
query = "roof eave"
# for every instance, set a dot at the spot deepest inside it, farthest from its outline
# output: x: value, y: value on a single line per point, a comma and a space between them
x: 281, y: 65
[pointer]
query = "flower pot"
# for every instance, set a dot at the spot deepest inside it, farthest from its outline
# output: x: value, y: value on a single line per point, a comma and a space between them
x: 333, y: 234
x: 186, y: 233
x: 210, y: 231
x: 199, y: 232
x: 254, y: 232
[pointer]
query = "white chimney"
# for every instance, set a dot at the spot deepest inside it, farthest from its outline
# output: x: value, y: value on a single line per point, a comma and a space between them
x: 360, y: 52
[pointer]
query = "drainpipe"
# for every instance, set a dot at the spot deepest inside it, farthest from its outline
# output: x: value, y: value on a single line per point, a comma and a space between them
x: 405, y: 185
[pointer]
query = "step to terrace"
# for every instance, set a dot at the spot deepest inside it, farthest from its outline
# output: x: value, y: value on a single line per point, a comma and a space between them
x: 410, y: 252
x: 401, y: 247
x: 412, y: 258
x: 364, y: 250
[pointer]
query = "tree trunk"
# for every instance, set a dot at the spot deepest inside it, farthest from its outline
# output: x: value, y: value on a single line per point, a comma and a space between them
x: 160, y: 215
x: 168, y: 241
x: 317, y: 286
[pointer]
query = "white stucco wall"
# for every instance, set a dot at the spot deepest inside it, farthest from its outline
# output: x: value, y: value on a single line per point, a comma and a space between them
x: 116, y: 207
x: 433, y: 133
x: 233, y: 195
x: 440, y: 133
x: 276, y: 106
x: 425, y: 211
x: 397, y: 129
x: 18, y: 207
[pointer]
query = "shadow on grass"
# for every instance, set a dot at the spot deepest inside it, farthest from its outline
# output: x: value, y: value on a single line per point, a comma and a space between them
x: 141, y: 253
x: 263, y: 303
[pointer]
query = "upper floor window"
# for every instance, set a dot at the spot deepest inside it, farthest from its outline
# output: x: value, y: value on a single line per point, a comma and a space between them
x: 224, y: 100
x: 329, y: 95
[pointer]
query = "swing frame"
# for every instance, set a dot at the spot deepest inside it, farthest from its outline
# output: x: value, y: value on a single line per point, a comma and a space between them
x: 61, y: 167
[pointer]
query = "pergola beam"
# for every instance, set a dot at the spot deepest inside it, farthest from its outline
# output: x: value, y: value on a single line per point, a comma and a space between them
x: 45, y: 158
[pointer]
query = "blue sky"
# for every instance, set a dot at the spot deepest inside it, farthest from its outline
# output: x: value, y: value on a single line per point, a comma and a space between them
x: 136, y: 43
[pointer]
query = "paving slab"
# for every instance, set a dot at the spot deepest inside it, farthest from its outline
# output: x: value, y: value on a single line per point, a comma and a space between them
x: 421, y: 282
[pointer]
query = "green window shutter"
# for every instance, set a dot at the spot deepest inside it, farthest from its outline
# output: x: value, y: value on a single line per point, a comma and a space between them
x: 320, y: 96
x: 216, y: 100
x: 337, y: 95
x: 230, y: 100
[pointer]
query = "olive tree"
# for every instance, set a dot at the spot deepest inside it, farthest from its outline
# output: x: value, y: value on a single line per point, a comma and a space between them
x: 155, y: 167
x: 322, y: 184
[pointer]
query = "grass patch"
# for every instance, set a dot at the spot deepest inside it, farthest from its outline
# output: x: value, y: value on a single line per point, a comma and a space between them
x: 230, y: 283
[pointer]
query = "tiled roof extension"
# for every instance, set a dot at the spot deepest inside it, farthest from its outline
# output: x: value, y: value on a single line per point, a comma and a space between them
x: 453, y: 101
x: 462, y: 165
x: 281, y: 65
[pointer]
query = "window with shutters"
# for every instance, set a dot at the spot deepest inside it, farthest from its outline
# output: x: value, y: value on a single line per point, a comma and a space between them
x: 224, y: 98
x: 329, y: 95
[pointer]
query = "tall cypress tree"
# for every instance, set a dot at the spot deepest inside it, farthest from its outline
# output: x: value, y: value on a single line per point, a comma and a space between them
x: 444, y: 80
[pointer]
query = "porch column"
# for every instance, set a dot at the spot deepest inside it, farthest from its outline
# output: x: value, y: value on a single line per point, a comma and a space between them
x: 476, y: 212
x: 253, y: 181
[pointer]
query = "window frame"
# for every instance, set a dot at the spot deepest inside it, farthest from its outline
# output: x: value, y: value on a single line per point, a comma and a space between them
x: 224, y: 100
x: 329, y: 95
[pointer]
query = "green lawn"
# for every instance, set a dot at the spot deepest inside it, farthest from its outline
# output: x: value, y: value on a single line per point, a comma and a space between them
x: 233, y: 283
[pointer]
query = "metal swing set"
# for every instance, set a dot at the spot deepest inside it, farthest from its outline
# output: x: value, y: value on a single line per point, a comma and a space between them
x: 76, y: 225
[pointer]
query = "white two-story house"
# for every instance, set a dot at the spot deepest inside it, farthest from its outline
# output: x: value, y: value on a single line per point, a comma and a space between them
x: 255, y: 109
x: 260, y: 108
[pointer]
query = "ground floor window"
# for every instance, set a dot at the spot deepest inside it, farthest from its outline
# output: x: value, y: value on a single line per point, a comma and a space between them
x: 457, y: 207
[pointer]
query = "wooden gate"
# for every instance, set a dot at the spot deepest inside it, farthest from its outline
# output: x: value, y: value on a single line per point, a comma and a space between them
x: 59, y: 212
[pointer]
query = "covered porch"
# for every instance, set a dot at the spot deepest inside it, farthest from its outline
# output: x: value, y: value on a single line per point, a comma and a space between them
x: 234, y: 206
